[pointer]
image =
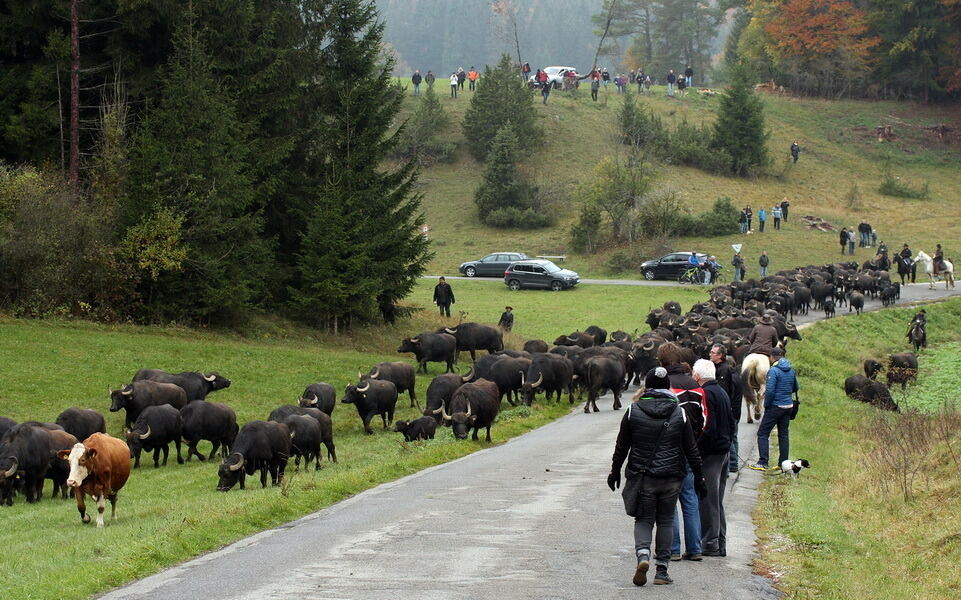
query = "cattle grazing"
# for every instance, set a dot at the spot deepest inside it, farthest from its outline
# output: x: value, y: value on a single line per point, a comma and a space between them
x: 82, y: 422
x: 550, y: 373
x: 43, y: 425
x: 902, y: 368
x: 211, y: 421
x: 673, y: 307
x: 854, y: 384
x: 418, y: 429
x: 304, y: 440
x: 24, y: 456
x: 603, y: 373
x: 508, y: 374
x: 872, y: 368
x: 137, y: 396
x: 875, y: 394
x: 474, y: 336
x: 372, y: 397
x: 321, y: 396
x: 440, y: 391
x: 59, y: 469
x: 828, y: 308
x: 599, y: 334
x: 431, y: 347
x: 155, y: 429
x: 260, y: 445
x: 855, y: 302
x: 6, y: 424
x: 195, y: 385
x: 401, y: 374
x: 474, y: 405
x: 533, y: 346
x: 578, y: 338
x: 621, y: 336
x: 99, y: 467
x: 282, y: 413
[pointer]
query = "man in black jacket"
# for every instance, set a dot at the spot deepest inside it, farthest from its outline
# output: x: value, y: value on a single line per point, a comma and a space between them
x: 443, y: 296
x: 715, y: 447
x: 654, y: 438
x: 727, y: 377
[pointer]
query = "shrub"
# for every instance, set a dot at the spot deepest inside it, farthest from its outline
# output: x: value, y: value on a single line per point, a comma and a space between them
x: 586, y: 233
x: 511, y: 216
x: 419, y: 140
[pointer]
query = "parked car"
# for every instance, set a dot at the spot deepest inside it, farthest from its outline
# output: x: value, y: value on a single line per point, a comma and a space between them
x: 492, y: 265
x: 539, y: 274
x: 668, y: 266
x: 555, y: 76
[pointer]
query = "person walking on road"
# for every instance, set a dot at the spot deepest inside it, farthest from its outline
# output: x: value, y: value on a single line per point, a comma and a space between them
x: 506, y: 322
x: 763, y: 261
x: 778, y: 409
x: 728, y: 378
x: 715, y: 448
x: 443, y: 296
x: 654, y: 439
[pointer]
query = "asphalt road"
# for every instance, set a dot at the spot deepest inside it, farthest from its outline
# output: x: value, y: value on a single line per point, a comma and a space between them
x: 531, y: 518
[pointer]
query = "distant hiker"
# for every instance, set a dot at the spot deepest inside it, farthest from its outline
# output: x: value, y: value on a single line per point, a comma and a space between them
x: 761, y: 219
x: 506, y: 322
x: 654, y: 439
x: 472, y: 76
x: 546, y: 89
x: 682, y: 85
x: 429, y: 80
x: 784, y: 206
x: 416, y: 79
x: 763, y: 261
x: 689, y: 76
x: 843, y: 238
x: 605, y: 77
x: 776, y: 215
x: 738, y: 263
x: 671, y: 79
x: 595, y: 87
x: 778, y: 409
x: 461, y: 77
x: 795, y: 150
x: 453, y: 85
x: 443, y: 296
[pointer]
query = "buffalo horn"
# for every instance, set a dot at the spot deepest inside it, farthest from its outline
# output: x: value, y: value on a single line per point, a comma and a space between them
x: 365, y: 388
x: 450, y: 331
x: 439, y: 411
x: 414, y: 340
x: 469, y: 375
x: 573, y: 339
x: 468, y: 408
x: 648, y: 346
x: 522, y: 377
x: 376, y: 373
x: 126, y: 392
x: 539, y: 381
x: 237, y: 466
x: 12, y: 470
x: 144, y: 436
x: 292, y: 434
x: 313, y: 402
x: 443, y: 413
x: 210, y: 377
x: 360, y: 375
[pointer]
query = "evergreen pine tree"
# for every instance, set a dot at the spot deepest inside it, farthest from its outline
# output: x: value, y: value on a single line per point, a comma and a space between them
x: 361, y: 249
x: 739, y: 128
x: 501, y: 97
x: 502, y: 199
x: 189, y: 163
x: 419, y: 139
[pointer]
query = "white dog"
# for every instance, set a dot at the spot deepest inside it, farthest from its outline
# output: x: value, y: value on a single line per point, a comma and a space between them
x: 793, y: 467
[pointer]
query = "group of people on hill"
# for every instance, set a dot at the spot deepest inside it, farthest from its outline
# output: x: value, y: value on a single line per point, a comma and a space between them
x: 457, y: 80
x: 778, y: 212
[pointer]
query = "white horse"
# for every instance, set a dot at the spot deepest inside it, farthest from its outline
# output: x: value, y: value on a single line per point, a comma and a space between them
x: 753, y: 377
x: 947, y: 273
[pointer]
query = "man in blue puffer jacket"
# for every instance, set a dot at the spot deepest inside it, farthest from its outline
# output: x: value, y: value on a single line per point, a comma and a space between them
x: 778, y: 404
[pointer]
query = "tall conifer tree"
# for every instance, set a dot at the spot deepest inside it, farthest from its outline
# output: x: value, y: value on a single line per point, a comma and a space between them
x: 739, y: 128
x: 501, y: 98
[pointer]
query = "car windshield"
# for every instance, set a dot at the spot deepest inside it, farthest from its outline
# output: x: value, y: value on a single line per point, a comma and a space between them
x: 551, y: 267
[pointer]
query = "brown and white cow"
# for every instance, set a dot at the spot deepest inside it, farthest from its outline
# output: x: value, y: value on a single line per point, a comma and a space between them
x: 99, y: 467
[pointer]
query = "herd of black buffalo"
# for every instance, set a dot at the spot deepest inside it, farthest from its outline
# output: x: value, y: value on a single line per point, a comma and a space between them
x: 163, y: 408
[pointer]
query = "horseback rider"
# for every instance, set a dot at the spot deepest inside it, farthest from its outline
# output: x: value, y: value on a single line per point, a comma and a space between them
x: 882, y: 249
x: 906, y: 266
x: 763, y: 337
x: 919, y: 321
x: 938, y: 260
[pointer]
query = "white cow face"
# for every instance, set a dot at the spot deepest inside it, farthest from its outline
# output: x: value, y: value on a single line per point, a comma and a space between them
x: 77, y: 457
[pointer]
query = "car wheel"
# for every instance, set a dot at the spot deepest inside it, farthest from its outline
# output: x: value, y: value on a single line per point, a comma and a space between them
x: 557, y: 286
x: 514, y: 285
x: 649, y: 275
x: 470, y: 271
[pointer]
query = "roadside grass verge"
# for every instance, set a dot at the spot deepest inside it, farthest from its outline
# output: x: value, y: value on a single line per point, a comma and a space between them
x: 843, y: 529
x: 171, y: 514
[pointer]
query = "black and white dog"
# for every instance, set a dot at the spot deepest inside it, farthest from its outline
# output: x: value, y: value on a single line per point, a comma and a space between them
x: 793, y: 467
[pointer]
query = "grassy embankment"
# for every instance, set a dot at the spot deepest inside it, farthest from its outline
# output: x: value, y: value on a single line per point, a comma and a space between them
x: 844, y: 529
x: 173, y: 513
x: 839, y: 151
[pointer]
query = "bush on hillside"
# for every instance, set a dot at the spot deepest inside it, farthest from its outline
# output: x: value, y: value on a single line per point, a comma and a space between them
x: 892, y: 185
x: 503, y: 198
x: 690, y: 145
x: 586, y: 233
x: 418, y: 140
x: 638, y: 127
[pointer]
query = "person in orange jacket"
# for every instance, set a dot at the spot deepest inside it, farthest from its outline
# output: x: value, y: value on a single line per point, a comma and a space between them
x: 472, y: 77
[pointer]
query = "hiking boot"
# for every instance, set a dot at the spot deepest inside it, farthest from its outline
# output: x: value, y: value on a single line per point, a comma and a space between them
x: 758, y: 466
x: 676, y: 556
x: 661, y: 577
x: 643, y: 564
x: 717, y: 552
x: 695, y: 556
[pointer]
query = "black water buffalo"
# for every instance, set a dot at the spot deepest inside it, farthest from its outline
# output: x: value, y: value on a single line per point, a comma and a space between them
x: 474, y: 336
x: 196, y: 385
x: 431, y: 347
x: 321, y: 396
x: 24, y: 456
x: 304, y: 440
x: 263, y: 445
x: 474, y: 405
x: 282, y: 413
x: 508, y: 375
x: 372, y: 397
x: 877, y: 395
x: 854, y: 384
x: 872, y: 368
x: 550, y: 373
x: 481, y: 368
x: 533, y: 346
x: 599, y: 334
x: 829, y: 310
x: 155, y: 429
x: 81, y: 422
x: 440, y: 391
x: 902, y: 368
x: 578, y: 338
x: 567, y: 351
x: 855, y: 302
x: 137, y: 396
x: 418, y: 429
x: 603, y: 373
x: 6, y: 424
x: 621, y: 336
x: 401, y: 374
x: 59, y: 469
x: 211, y: 421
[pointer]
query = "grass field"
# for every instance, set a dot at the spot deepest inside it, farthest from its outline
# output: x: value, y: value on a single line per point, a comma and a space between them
x: 173, y: 513
x: 838, y: 151
x: 844, y: 529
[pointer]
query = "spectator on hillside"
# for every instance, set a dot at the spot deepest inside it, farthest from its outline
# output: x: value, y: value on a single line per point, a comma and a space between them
x: 738, y: 263
x: 472, y: 76
x: 526, y: 71
x: 742, y: 221
x: 506, y: 322
x: 595, y: 87
x: 851, y: 240
x: 778, y: 409
x: 429, y: 79
x: 864, y: 233
x: 784, y: 206
x: 795, y: 150
x: 640, y: 81
x: 648, y: 82
x: 671, y: 80
x: 750, y: 216
x: 453, y: 85
x: 545, y: 88
x: 763, y: 261
x: 682, y: 85
x: 761, y: 219
x: 443, y: 296
x: 619, y: 83
x: 461, y: 77
x: 843, y: 238
x: 776, y: 214
x: 416, y: 79
x: 714, y: 445
x: 689, y: 76
x: 605, y: 77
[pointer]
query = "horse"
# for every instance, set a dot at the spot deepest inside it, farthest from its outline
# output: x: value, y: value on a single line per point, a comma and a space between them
x: 917, y: 336
x: 753, y: 377
x: 947, y: 273
x: 906, y: 268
